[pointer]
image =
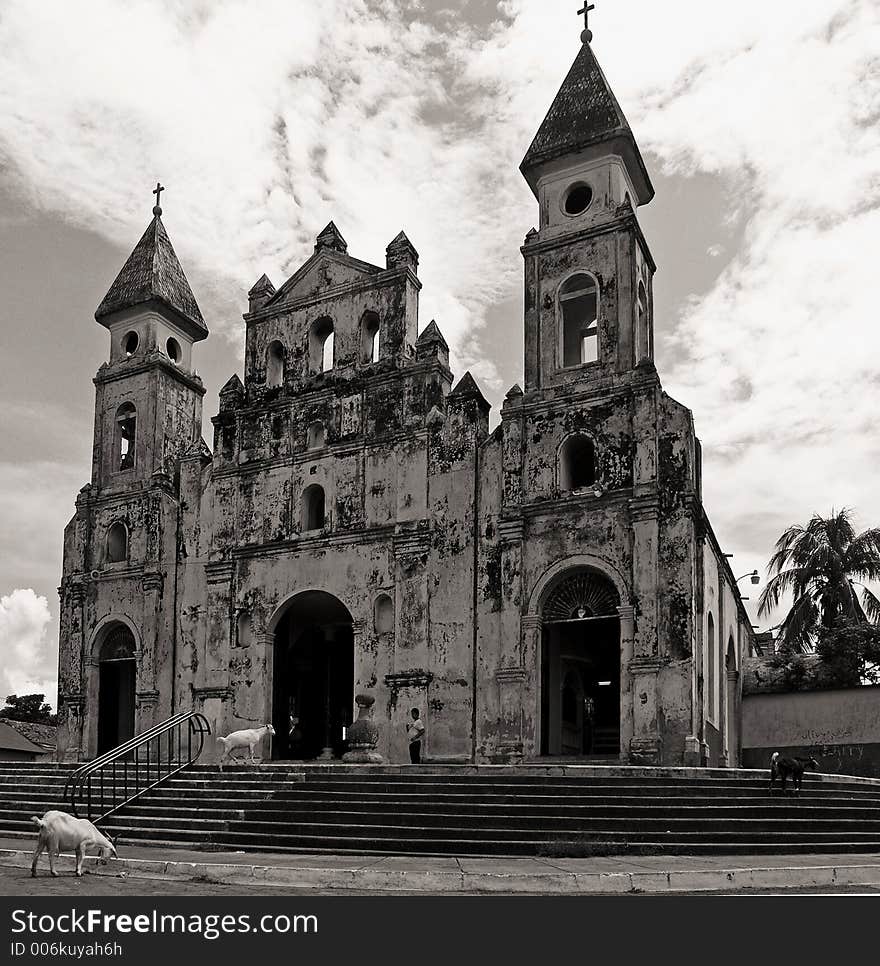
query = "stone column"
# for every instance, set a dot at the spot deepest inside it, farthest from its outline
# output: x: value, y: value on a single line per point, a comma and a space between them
x: 146, y: 692
x: 627, y: 693
x: 73, y: 681
x: 645, y: 747
x: 530, y: 687
x: 512, y: 711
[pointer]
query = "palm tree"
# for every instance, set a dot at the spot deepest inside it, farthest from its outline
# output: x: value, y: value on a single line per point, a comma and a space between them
x: 821, y: 565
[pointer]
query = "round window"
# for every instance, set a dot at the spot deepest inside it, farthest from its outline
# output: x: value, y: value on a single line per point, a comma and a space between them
x: 172, y: 347
x: 577, y: 199
x: 130, y: 343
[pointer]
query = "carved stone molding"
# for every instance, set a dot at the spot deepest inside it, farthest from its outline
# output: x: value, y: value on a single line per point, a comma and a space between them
x: 646, y: 665
x: 531, y: 622
x: 512, y: 675
x: 411, y: 543
x: 147, y: 698
x: 644, y: 508
x: 219, y: 572
x: 626, y: 612
x: 224, y: 693
x: 511, y: 531
x: 415, y: 678
x: 152, y: 581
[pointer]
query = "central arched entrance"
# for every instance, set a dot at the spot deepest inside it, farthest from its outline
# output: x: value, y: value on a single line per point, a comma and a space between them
x: 580, y: 667
x: 116, y: 688
x: 313, y: 677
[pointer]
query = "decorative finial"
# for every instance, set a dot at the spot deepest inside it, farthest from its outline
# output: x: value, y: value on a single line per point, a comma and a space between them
x: 586, y: 33
x: 157, y: 191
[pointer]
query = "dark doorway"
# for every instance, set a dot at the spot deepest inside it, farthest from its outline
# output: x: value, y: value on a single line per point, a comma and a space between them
x: 580, y: 669
x: 313, y: 679
x: 116, y: 687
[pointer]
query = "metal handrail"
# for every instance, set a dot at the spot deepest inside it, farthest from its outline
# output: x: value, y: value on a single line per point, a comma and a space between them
x: 124, y: 768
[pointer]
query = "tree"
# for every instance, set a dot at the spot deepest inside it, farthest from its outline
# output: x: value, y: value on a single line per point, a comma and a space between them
x: 28, y: 707
x: 851, y: 652
x: 821, y: 565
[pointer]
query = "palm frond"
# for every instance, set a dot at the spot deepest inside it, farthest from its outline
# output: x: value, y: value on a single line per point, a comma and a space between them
x: 800, y: 624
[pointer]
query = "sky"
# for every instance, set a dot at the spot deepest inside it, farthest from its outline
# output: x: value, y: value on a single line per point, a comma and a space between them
x: 759, y: 123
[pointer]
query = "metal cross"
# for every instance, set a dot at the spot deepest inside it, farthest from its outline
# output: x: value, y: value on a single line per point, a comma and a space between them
x: 157, y: 191
x: 585, y: 10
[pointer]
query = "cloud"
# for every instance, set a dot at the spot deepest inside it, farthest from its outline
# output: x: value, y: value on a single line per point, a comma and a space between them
x: 384, y: 115
x: 28, y: 663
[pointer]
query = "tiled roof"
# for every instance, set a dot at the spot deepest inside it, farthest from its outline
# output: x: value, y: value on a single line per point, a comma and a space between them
x: 40, y: 734
x: 584, y: 112
x: 11, y: 740
x: 152, y: 272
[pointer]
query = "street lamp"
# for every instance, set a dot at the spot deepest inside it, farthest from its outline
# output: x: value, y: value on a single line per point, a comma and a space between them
x: 753, y: 574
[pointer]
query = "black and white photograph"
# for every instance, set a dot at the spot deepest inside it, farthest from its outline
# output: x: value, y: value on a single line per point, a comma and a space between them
x: 439, y: 459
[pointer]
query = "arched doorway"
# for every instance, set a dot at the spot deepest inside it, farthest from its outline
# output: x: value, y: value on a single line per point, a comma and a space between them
x: 116, y: 687
x: 313, y: 677
x: 580, y: 667
x: 732, y: 706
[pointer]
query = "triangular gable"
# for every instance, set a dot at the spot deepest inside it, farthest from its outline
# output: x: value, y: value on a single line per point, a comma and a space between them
x: 325, y: 269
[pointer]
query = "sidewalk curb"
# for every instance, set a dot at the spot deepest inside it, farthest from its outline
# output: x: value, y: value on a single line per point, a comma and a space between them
x: 451, y: 882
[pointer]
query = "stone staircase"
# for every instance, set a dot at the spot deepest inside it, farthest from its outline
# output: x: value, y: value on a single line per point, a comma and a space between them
x: 472, y: 810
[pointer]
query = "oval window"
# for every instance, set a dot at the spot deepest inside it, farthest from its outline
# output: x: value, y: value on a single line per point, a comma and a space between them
x: 172, y: 347
x: 130, y: 343
x: 577, y: 199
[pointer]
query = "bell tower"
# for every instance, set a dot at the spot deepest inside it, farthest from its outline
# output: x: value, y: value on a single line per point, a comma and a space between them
x: 148, y: 408
x: 588, y: 270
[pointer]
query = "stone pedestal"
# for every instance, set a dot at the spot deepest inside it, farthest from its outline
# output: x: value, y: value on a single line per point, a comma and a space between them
x: 363, y: 735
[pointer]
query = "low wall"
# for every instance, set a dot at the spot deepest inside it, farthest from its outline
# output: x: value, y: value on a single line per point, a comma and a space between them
x: 839, y: 727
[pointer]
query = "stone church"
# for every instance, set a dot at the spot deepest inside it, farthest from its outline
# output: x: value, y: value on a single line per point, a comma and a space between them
x: 550, y: 587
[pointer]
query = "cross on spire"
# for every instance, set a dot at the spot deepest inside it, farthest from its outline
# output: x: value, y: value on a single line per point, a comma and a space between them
x: 586, y: 33
x: 157, y: 191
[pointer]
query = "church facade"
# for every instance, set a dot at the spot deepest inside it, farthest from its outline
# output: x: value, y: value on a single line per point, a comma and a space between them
x: 550, y: 588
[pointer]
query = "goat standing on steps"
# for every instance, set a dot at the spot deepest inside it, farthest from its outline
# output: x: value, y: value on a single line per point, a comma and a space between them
x: 249, y: 738
x: 793, y: 768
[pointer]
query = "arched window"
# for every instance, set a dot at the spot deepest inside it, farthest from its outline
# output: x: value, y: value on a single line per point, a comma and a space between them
x: 117, y: 543
x: 118, y: 645
x: 577, y: 463
x: 126, y: 433
x: 274, y: 364
x: 321, y: 345
x: 711, y: 662
x: 315, y: 435
x: 313, y: 507
x: 383, y: 614
x: 642, y: 324
x: 370, y: 337
x: 579, y: 309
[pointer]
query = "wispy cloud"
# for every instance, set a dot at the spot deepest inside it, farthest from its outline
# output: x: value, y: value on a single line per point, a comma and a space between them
x: 385, y: 115
x: 28, y: 665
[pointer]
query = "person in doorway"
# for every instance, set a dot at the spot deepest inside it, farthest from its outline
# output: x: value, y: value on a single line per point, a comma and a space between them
x: 415, y: 731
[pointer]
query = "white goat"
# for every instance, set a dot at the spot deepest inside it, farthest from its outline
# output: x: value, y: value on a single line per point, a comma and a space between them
x: 249, y: 738
x: 60, y: 832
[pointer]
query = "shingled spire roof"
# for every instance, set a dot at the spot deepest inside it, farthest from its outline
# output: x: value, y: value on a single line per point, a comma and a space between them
x: 584, y: 113
x: 152, y: 273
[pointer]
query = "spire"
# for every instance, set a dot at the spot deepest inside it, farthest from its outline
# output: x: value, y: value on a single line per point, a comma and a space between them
x: 432, y: 336
x: 467, y: 388
x: 331, y: 238
x: 152, y: 273
x: 584, y: 115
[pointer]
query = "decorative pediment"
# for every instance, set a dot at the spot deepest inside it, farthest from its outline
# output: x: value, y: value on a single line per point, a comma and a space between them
x: 326, y: 269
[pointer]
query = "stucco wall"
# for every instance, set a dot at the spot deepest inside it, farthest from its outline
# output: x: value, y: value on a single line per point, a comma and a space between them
x: 840, y: 728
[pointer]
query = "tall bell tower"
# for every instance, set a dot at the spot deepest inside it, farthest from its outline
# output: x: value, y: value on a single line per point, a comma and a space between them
x: 148, y: 409
x: 588, y: 270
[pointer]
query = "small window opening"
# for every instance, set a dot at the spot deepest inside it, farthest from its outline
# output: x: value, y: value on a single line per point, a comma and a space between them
x: 274, y: 364
x: 578, y: 199
x: 172, y: 347
x: 579, y: 304
x: 117, y: 543
x: 278, y: 425
x: 577, y: 463
x: 642, y: 325
x: 126, y: 431
x: 243, y: 628
x: 321, y: 346
x: 130, y: 344
x: 383, y: 614
x: 370, y: 336
x: 315, y: 435
x: 313, y: 507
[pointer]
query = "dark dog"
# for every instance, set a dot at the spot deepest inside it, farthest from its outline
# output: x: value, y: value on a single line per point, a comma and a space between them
x: 793, y: 768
